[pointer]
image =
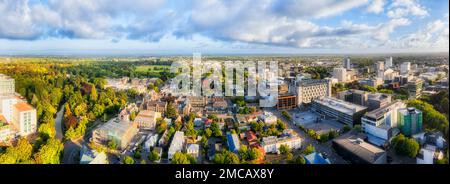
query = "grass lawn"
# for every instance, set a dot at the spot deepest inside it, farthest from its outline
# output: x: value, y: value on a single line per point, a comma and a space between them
x: 153, y: 68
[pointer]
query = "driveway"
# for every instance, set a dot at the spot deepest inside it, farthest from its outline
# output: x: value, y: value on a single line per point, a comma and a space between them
x: 58, y: 123
x: 71, y: 153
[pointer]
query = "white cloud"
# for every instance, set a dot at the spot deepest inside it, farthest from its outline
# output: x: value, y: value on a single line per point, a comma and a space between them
x: 316, y: 8
x: 434, y: 35
x: 404, y: 8
x: 377, y: 6
x: 285, y: 23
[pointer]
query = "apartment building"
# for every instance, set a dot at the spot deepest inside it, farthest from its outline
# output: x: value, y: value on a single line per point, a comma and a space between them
x: 272, y: 144
x: 308, y: 90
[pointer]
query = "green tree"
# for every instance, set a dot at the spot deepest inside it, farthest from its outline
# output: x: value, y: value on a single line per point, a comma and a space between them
x: 289, y: 156
x: 171, y: 112
x: 93, y: 96
x: 405, y: 146
x: 153, y: 156
x: 183, y: 158
x: 128, y: 160
x: 309, y: 149
x: 112, y: 144
x: 284, y: 149
x: 50, y: 152
x: 300, y: 160
x: 208, y: 132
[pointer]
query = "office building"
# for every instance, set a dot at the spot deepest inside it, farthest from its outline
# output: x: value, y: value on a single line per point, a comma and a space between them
x: 340, y: 110
x: 389, y: 62
x: 177, y: 144
x: 353, y: 148
x: 372, y: 82
x: 7, y: 85
x: 378, y: 100
x: 405, y: 68
x: 410, y: 121
x: 379, y: 69
x: 287, y: 102
x: 340, y: 74
x: 120, y: 132
x: 380, y: 124
x: 415, y: 88
x: 308, y: 90
x: 390, y: 75
x: 347, y: 64
x: 357, y: 97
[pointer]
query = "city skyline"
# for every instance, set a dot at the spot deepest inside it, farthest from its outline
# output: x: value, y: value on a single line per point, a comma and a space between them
x: 164, y: 27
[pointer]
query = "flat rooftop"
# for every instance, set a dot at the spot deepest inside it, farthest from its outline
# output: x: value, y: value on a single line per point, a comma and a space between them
x: 340, y: 105
x: 355, y: 144
x: 23, y: 106
x: 377, y: 113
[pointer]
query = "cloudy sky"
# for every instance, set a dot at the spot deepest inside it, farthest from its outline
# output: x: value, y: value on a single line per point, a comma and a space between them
x: 222, y: 26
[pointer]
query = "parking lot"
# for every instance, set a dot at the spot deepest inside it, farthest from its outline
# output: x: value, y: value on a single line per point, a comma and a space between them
x: 319, y: 123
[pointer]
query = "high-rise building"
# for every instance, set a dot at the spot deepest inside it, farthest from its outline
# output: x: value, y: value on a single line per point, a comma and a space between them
x: 340, y: 74
x: 389, y: 62
x: 380, y: 124
x: 410, y: 121
x: 6, y: 85
x: 6, y: 106
x: 347, y: 63
x: 24, y: 119
x: 308, y: 90
x: 415, y: 88
x: 379, y: 69
x: 405, y: 68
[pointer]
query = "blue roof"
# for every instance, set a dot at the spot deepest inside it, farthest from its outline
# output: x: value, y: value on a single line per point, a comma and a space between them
x: 316, y: 158
x: 233, y: 142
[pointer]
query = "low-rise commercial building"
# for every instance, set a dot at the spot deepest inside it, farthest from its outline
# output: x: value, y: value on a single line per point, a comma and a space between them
x: 340, y: 110
x: 354, y: 149
x: 120, y: 132
x: 378, y: 100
